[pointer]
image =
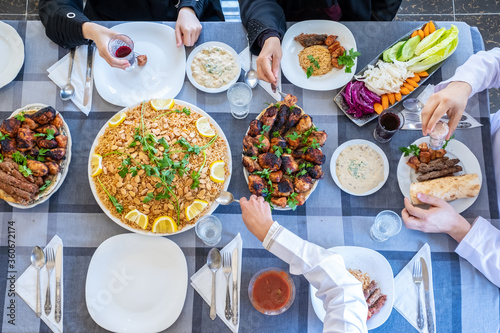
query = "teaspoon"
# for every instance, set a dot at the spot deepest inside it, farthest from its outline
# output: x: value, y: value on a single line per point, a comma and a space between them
x: 251, y: 75
x: 214, y: 263
x: 69, y: 90
x: 38, y: 260
x: 225, y: 198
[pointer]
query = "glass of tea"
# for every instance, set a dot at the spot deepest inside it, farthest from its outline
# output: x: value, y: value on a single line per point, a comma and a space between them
x: 122, y: 47
x: 389, y: 122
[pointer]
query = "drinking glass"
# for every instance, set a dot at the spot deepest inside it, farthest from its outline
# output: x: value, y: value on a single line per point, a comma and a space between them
x: 387, y: 224
x: 122, y: 47
x: 389, y: 122
x: 209, y: 230
x: 438, y: 134
x: 239, y: 96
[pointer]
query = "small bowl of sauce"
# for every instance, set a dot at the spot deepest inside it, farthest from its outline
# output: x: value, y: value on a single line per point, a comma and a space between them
x: 271, y: 291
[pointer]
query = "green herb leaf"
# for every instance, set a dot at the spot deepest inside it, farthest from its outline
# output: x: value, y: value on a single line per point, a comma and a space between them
x: 1, y: 158
x: 265, y: 128
x: 310, y: 71
x: 44, y: 186
x: 412, y: 149
x: 25, y: 170
x: 19, y: 158
x: 276, y: 134
x: 294, y: 136
x: 447, y: 141
x: 150, y: 196
x: 50, y: 134
x: 20, y: 116
x: 4, y: 136
x: 254, y: 158
x: 186, y: 111
x: 278, y: 151
x: 313, y: 61
x: 347, y: 59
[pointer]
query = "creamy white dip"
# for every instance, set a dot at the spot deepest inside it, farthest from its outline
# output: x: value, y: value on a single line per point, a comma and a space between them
x: 359, y: 168
x: 214, y: 67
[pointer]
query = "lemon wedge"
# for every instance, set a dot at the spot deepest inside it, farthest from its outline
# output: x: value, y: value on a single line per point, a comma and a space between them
x: 195, y: 208
x: 217, y: 172
x: 162, y: 104
x: 204, y: 128
x: 96, y: 165
x: 164, y: 224
x: 138, y: 218
x: 117, y: 119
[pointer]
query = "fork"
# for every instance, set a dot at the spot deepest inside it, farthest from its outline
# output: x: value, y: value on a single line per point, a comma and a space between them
x: 417, y: 279
x: 51, y: 262
x: 275, y: 88
x: 226, y: 268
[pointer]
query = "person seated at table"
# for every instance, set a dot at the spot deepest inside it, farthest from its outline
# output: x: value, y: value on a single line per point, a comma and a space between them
x: 68, y: 24
x: 342, y: 293
x: 265, y: 22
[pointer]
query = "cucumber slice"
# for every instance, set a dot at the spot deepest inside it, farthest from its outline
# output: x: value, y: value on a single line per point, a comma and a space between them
x: 390, y: 54
x: 408, y: 50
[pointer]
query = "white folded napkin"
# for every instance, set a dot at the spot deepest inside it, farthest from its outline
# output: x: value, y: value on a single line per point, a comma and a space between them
x: 26, y: 289
x: 245, y: 62
x: 406, y: 291
x: 58, y: 73
x: 202, y: 283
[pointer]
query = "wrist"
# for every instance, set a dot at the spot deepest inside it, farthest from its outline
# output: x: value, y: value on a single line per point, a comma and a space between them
x: 187, y: 9
x: 460, y: 229
x: 461, y: 87
x: 266, y: 226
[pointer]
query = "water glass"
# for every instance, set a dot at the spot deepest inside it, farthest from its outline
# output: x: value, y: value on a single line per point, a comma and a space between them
x: 387, y: 224
x: 389, y: 122
x: 239, y: 96
x: 209, y: 230
x: 122, y: 47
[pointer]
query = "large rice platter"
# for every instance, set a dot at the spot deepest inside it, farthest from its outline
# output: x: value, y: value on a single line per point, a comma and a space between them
x: 157, y: 167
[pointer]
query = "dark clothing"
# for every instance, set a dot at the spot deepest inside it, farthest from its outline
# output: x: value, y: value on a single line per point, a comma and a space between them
x: 267, y: 18
x: 63, y: 19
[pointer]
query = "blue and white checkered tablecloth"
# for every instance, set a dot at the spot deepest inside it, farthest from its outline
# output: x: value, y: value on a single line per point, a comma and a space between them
x: 465, y: 300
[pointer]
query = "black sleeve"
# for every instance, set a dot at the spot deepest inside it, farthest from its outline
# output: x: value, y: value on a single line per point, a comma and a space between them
x: 205, y: 10
x: 262, y: 16
x: 63, y: 20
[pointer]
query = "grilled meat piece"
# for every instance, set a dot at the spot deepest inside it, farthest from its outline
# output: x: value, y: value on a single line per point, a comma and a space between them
x: 269, y: 161
x: 370, y: 289
x: 413, y: 162
x: 256, y: 184
x: 19, y: 196
x: 437, y: 164
x: 305, y: 123
x: 315, y: 172
x: 46, y: 144
x: 293, y: 119
x: 289, y: 100
x: 279, y: 201
x: 55, y: 154
x: 335, y: 45
x: 330, y: 39
x: 12, y: 168
x: 338, y: 52
x: 320, y: 138
x: 335, y: 63
x: 255, y: 127
x: 301, y: 198
x: 276, y: 176
x: 250, y: 164
x: 33, y: 152
x: 440, y: 153
x: 423, y: 147
x: 281, y: 118
x: 269, y: 116
x: 249, y: 146
x: 53, y: 167
x: 25, y: 139
x: 439, y: 173
x: 277, y: 142
x: 314, y: 156
x: 44, y: 128
x: 293, y: 140
x: 30, y: 123
x: 22, y: 184
x: 373, y: 297
x: 44, y: 116
x: 298, y: 154
x: 57, y: 121
x: 302, y: 184
x: 9, y: 146
x: 307, y: 40
x: 38, y: 168
x: 62, y: 141
x: 377, y: 306
x: 288, y: 164
x: 10, y: 126
x: 282, y: 189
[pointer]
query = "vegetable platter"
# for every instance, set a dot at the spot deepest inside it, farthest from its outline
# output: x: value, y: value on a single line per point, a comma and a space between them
x: 395, y: 73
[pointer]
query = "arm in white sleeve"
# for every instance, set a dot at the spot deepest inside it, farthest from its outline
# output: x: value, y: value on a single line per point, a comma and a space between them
x: 481, y: 71
x: 481, y: 247
x: 342, y: 293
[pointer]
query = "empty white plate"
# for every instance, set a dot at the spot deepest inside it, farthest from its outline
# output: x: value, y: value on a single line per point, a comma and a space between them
x: 11, y: 53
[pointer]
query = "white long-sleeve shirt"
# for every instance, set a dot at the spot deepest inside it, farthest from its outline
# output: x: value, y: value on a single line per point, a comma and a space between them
x: 342, y: 293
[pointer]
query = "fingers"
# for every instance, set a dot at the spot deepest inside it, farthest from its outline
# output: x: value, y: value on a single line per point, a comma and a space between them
x: 427, y: 112
x: 414, y: 211
x: 243, y: 199
x: 439, y: 112
x: 178, y: 35
x: 264, y: 70
x: 276, y: 65
x: 410, y: 221
x: 453, y: 122
x: 431, y: 200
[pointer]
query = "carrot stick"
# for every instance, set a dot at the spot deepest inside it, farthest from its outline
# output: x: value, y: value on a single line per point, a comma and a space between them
x: 408, y: 86
x: 414, y: 34
x: 423, y: 74
x: 426, y: 30
x: 392, y: 99
x: 416, y: 78
x: 432, y: 27
x: 378, y: 107
x: 397, y: 96
x: 421, y: 34
x: 385, y: 101
x: 404, y: 91
x: 413, y: 83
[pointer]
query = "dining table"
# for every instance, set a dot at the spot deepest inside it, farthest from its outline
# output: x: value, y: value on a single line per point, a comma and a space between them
x: 465, y: 301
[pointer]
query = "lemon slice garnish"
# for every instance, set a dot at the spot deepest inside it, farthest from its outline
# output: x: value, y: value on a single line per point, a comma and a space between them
x: 204, y: 128
x: 162, y: 104
x: 217, y: 172
x: 117, y: 119
x: 164, y: 224
x: 138, y: 218
x: 195, y: 208
x: 96, y: 165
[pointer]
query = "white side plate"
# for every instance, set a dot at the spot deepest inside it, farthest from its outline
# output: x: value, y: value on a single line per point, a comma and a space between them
x: 11, y: 53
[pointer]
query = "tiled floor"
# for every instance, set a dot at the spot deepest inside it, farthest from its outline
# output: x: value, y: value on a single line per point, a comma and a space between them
x: 485, y: 14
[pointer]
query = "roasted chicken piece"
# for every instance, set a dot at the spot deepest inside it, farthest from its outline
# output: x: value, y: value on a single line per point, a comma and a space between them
x: 423, y: 147
x: 320, y: 138
x: 250, y: 164
x: 9, y: 146
x: 314, y: 156
x: 307, y: 40
x: 256, y: 184
x: 288, y: 164
x: 269, y: 116
x: 255, y: 127
x: 305, y: 123
x: 44, y: 116
x: 276, y: 176
x: 335, y: 63
x: 249, y: 146
x: 293, y: 140
x: 425, y: 156
x: 46, y: 144
x: 38, y: 168
x: 330, y: 39
x: 413, y: 162
x: 298, y: 154
x: 302, y: 184
x: 269, y: 161
x: 334, y: 46
x: 33, y: 152
x: 281, y: 118
x: 282, y: 189
x: 338, y: 52
x: 62, y: 141
x: 43, y: 129
x: 301, y: 198
x: 57, y: 121
x: 277, y: 142
x: 30, y: 123
x: 53, y: 167
x: 280, y: 202
x: 25, y: 139
x: 56, y: 154
x: 293, y: 119
x: 10, y: 126
x: 315, y: 172
x: 290, y: 100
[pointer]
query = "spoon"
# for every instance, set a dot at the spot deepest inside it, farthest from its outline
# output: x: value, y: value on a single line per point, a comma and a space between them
x: 214, y: 262
x: 69, y: 90
x: 225, y: 198
x: 251, y: 75
x: 38, y: 260
x: 413, y: 105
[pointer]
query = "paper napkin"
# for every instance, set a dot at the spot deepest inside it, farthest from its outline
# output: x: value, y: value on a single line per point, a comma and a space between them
x: 58, y: 73
x: 202, y: 283
x: 406, y: 291
x: 26, y: 289
x: 245, y: 62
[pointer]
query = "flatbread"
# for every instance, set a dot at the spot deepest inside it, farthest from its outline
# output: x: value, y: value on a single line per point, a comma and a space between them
x: 447, y: 188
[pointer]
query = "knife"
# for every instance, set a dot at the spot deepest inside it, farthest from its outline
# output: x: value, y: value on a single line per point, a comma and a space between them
x: 58, y: 284
x: 88, y: 75
x: 234, y: 273
x: 430, y: 316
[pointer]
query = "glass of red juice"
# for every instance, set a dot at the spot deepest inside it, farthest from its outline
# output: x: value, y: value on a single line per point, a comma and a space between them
x: 122, y: 47
x: 271, y: 291
x: 389, y: 122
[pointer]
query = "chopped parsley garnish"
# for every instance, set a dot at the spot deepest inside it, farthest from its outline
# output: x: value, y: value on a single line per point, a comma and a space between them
x: 446, y: 142
x: 25, y: 170
x: 1, y: 158
x: 412, y: 149
x: 347, y: 59
x: 276, y: 134
x: 20, y: 116
x: 49, y: 135
x: 4, y: 136
x: 264, y: 173
x: 114, y: 201
x: 291, y: 201
x: 44, y: 186
x: 278, y: 151
x: 254, y: 157
x: 294, y: 136
x: 265, y: 128
x: 310, y: 69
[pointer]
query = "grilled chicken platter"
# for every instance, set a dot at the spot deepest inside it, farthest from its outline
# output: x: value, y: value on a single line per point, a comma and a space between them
x: 282, y: 154
x: 33, y: 148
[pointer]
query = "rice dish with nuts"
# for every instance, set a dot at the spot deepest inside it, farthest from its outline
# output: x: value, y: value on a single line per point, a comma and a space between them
x: 321, y: 55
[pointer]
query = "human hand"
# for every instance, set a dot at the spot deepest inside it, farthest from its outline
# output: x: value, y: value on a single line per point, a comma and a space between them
x: 452, y: 100
x: 256, y: 214
x: 268, y: 61
x: 440, y: 218
x: 101, y: 36
x: 187, y: 27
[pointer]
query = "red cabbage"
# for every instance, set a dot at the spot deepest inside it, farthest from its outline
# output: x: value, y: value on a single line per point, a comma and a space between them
x: 359, y: 99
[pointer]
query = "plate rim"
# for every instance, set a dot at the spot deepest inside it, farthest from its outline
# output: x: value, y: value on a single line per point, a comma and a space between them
x: 19, y: 57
